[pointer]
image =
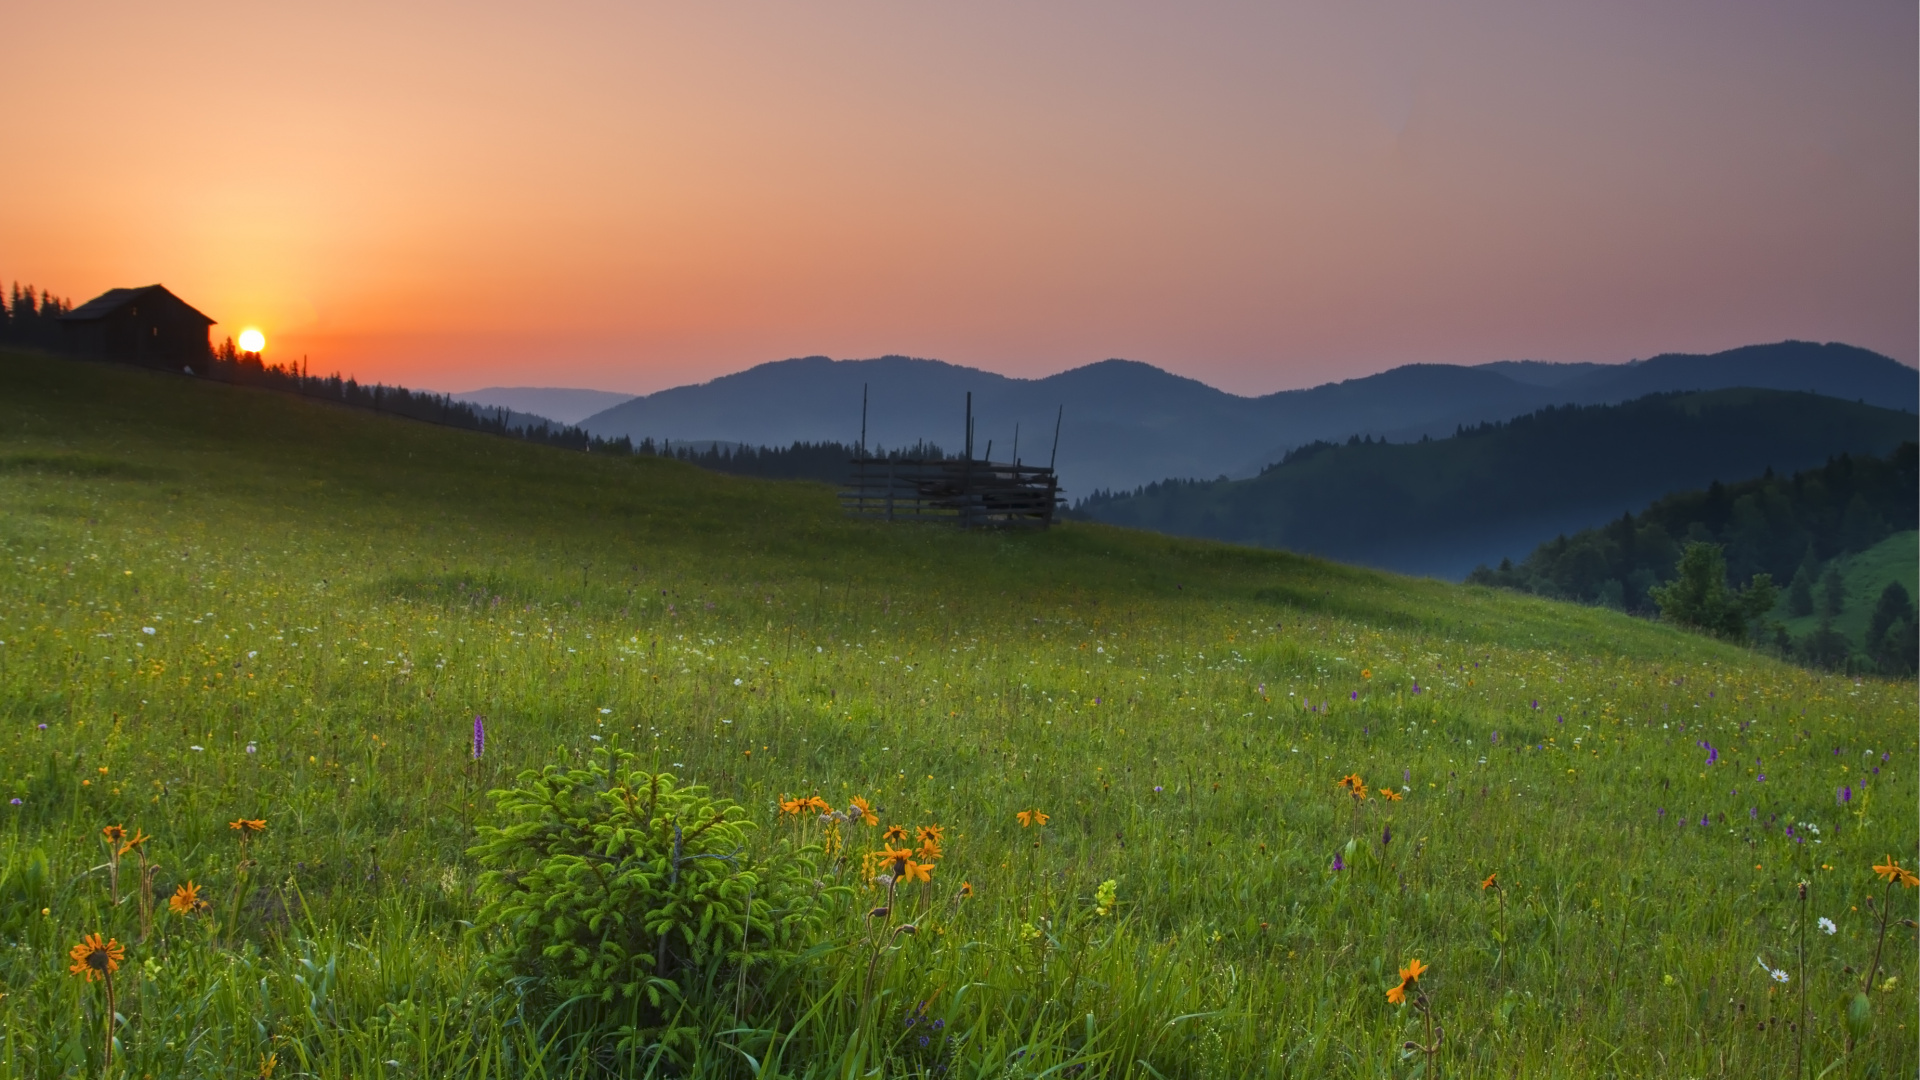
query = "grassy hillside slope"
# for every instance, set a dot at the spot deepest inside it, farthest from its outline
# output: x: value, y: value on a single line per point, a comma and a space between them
x: 1865, y: 574
x: 217, y: 603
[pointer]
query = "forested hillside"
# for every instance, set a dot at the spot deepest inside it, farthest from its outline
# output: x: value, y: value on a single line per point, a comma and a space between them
x: 1800, y: 529
x: 1771, y: 525
x: 1444, y: 506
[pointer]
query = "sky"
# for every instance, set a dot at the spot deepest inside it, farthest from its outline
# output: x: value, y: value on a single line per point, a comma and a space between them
x: 630, y: 196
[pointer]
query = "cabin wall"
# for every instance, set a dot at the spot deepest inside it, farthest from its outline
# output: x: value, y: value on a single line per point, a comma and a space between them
x: 150, y: 332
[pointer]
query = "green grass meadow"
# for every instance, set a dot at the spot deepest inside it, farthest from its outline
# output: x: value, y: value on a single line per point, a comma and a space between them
x: 219, y: 603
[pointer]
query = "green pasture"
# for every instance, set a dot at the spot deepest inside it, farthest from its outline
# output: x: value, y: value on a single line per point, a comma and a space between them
x: 220, y: 604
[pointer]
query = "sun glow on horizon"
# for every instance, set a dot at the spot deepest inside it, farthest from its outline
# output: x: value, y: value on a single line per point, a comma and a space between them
x: 252, y: 340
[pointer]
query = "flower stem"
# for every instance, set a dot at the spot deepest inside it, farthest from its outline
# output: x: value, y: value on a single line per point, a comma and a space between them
x: 1800, y: 1033
x: 107, y: 1067
x: 1886, y: 913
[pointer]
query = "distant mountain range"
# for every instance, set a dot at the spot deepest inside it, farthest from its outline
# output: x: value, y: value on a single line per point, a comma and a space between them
x: 1127, y: 423
x: 1441, y: 507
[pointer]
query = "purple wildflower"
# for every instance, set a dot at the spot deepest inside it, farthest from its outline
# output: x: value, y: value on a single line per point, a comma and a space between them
x: 1845, y: 795
x: 1416, y: 686
x: 1712, y: 754
x: 1662, y: 812
x: 43, y: 727
x: 1703, y: 821
x: 13, y: 802
x: 479, y: 736
x: 1386, y: 836
x: 1753, y: 811
x: 1337, y: 864
x: 1353, y: 695
x: 1561, y: 719
x: 1494, y: 738
x: 1536, y: 703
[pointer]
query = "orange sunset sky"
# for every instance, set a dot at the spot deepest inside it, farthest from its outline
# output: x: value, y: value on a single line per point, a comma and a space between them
x: 630, y: 196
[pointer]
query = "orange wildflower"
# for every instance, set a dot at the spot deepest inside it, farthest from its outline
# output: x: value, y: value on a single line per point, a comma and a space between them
x: 862, y: 811
x: 1492, y: 882
x: 1398, y: 994
x: 917, y: 871
x: 895, y: 834
x: 1391, y: 795
x: 115, y: 834
x: 932, y: 833
x: 248, y: 826
x: 95, y: 959
x: 138, y: 839
x: 1891, y: 871
x: 1029, y: 818
x: 186, y: 900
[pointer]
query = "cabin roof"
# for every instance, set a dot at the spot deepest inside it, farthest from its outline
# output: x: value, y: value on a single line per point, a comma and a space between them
x: 114, y: 299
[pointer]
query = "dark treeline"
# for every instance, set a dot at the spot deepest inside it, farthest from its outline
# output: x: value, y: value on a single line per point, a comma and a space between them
x: 822, y: 461
x: 1300, y: 453
x: 32, y: 320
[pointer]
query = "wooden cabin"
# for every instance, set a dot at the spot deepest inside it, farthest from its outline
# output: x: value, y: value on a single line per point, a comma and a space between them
x: 148, y: 326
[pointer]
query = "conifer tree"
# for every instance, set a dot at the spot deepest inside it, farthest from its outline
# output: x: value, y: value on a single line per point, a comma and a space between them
x: 1800, y: 592
x: 1833, y: 592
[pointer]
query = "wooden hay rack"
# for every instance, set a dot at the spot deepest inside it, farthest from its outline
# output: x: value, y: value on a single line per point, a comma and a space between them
x: 967, y: 492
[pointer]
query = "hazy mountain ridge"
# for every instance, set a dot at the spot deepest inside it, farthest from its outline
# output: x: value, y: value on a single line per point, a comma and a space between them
x: 1127, y: 423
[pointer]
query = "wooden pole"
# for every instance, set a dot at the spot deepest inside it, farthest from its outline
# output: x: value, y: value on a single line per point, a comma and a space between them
x: 863, y: 419
x: 1061, y: 415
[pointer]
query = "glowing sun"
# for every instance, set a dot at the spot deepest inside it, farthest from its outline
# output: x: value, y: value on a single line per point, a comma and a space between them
x: 252, y: 340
